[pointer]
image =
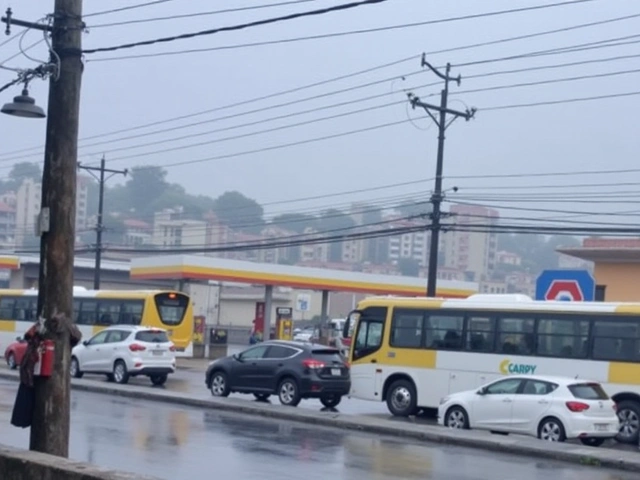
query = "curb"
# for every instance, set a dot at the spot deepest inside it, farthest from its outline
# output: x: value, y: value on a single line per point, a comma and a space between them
x: 607, y: 458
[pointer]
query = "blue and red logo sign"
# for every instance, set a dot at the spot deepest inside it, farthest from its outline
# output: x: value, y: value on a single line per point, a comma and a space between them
x: 566, y: 285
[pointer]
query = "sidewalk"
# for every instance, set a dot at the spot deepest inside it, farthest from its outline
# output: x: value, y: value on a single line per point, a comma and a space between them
x: 579, y: 454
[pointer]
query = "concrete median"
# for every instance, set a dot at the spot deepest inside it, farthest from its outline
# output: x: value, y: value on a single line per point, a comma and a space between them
x: 25, y: 465
x: 610, y: 458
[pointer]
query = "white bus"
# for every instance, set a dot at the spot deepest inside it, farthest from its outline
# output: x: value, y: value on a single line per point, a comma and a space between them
x: 412, y: 352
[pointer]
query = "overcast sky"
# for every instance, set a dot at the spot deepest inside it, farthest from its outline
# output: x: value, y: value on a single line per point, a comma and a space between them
x: 568, y: 137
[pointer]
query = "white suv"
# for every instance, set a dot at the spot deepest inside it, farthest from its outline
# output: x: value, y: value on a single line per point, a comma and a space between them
x: 125, y: 351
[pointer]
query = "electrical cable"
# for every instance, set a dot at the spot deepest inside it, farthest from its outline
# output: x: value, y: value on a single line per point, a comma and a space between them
x: 242, y: 26
x: 353, y: 32
x: 122, y: 9
x: 200, y: 14
x: 559, y: 102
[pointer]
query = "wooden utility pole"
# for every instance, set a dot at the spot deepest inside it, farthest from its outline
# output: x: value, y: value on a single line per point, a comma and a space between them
x: 100, y: 224
x: 50, y: 427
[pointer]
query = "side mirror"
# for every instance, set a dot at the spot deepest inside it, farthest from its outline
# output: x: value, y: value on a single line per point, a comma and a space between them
x: 18, y: 339
x: 85, y: 342
x: 482, y: 391
x: 237, y: 357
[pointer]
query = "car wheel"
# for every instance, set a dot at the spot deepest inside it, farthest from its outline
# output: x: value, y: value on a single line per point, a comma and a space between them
x: 629, y: 415
x: 592, y: 441
x: 331, y: 401
x: 262, y: 397
x: 159, y: 380
x: 288, y: 392
x: 551, y: 430
x: 457, y: 418
x: 120, y: 372
x: 74, y: 368
x: 401, y: 398
x: 219, y: 385
x: 11, y: 361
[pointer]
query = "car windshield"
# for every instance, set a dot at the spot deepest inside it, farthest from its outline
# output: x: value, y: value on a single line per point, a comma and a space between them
x: 152, y: 336
x: 588, y: 391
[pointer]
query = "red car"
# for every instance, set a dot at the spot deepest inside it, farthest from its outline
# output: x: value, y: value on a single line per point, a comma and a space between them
x: 14, y: 352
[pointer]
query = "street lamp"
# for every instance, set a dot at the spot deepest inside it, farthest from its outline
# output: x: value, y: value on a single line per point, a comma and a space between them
x: 23, y: 106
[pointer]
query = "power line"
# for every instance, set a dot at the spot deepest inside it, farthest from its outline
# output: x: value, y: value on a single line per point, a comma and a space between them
x: 372, y: 30
x: 241, y: 103
x: 559, y: 102
x: 122, y: 9
x: 289, y: 115
x: 361, y: 72
x: 325, y: 118
x: 200, y: 14
x: 242, y: 26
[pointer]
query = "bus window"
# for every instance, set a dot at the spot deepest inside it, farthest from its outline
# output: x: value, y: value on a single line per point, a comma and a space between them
x: 171, y: 307
x: 563, y: 337
x: 88, y: 310
x: 131, y: 313
x: 6, y: 308
x: 515, y: 336
x: 406, y: 328
x: 615, y: 340
x: 444, y: 331
x: 25, y: 309
x: 481, y: 334
x: 108, y: 312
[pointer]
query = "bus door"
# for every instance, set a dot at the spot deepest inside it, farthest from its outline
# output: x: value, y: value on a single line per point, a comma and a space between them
x: 365, y: 352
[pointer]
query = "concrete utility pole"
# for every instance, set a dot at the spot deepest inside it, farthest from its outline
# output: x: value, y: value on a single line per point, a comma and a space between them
x: 437, y: 197
x: 56, y: 225
x: 100, y: 225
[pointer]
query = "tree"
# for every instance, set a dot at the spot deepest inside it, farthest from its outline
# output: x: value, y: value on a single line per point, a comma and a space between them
x: 239, y: 212
x: 294, y: 222
x: 19, y: 173
x: 145, y: 185
x: 335, y: 222
x: 410, y: 209
x: 409, y: 267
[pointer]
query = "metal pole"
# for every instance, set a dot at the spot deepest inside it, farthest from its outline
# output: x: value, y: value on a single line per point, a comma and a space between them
x: 51, y: 417
x: 436, y: 199
x: 99, y: 228
x: 268, y: 305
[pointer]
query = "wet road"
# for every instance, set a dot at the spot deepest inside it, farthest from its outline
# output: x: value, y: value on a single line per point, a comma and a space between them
x: 176, y: 443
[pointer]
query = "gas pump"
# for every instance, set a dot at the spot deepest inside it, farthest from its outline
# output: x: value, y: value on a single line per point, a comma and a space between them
x: 284, y: 323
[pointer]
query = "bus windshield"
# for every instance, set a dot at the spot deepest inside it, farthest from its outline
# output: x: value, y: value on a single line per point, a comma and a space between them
x: 171, y: 307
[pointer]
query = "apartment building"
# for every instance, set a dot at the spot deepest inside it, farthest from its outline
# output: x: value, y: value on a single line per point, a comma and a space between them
x: 313, y: 252
x: 172, y: 229
x: 413, y: 245
x: 27, y: 207
x: 7, y: 225
x: 472, y: 250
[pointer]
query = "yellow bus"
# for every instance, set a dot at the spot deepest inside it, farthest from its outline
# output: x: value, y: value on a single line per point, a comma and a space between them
x: 94, y: 310
x: 412, y: 352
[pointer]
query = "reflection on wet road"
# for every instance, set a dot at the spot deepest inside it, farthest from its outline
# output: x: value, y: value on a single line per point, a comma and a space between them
x: 175, y: 443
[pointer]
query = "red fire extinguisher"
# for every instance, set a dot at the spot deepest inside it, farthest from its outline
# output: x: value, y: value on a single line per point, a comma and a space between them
x: 46, y: 354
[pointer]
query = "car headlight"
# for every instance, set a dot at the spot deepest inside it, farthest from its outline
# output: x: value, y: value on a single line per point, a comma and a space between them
x: 444, y: 400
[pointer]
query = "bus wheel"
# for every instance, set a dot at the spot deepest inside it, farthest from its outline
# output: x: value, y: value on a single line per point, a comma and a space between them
x: 401, y: 398
x: 629, y: 415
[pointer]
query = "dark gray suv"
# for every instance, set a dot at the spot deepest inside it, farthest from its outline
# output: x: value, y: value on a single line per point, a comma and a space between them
x: 291, y: 370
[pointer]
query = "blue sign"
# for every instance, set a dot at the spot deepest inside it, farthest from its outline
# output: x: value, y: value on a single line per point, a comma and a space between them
x: 567, y: 285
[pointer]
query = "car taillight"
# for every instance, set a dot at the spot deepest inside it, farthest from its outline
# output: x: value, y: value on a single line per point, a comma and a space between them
x: 577, y: 406
x: 310, y: 363
x: 134, y: 347
x: 172, y: 348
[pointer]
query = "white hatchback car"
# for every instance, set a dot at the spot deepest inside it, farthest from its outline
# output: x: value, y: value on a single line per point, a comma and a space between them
x: 125, y: 351
x: 550, y: 408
